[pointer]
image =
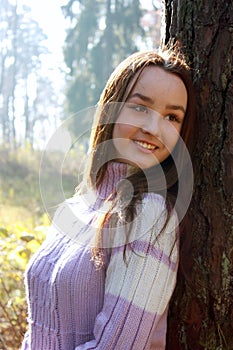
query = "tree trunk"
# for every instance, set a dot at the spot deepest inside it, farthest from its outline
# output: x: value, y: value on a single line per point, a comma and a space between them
x: 201, y: 312
x: 26, y: 114
x: 14, y: 73
x: 108, y: 41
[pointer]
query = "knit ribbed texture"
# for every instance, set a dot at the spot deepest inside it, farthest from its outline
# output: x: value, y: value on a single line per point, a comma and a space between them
x: 123, y: 306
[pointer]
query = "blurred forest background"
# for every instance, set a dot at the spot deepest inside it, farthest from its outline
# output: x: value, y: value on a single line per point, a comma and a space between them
x: 34, y: 102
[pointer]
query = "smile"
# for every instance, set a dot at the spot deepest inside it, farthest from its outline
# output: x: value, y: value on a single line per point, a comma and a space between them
x: 146, y: 145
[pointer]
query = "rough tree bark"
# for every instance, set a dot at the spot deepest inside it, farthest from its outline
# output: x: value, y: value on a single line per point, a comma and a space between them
x: 201, y: 313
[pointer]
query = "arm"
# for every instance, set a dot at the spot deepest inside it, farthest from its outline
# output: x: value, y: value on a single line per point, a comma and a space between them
x: 137, y: 292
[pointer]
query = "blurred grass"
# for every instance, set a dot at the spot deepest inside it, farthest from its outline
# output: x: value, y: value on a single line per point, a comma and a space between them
x: 20, y: 171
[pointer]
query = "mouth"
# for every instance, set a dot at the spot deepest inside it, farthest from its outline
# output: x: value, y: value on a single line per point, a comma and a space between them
x: 146, y: 145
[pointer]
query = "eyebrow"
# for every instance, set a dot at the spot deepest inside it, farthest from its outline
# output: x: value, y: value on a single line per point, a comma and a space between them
x: 176, y: 107
x: 149, y: 100
x: 142, y: 97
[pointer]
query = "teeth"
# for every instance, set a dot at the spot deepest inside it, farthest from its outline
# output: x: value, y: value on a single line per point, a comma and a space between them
x: 145, y: 145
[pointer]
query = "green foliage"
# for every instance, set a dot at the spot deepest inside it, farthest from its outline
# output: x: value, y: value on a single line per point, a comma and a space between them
x: 101, y: 34
x: 23, y: 225
x: 19, y: 239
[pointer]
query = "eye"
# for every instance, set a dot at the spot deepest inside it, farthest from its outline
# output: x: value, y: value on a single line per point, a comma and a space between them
x: 172, y: 118
x: 139, y: 108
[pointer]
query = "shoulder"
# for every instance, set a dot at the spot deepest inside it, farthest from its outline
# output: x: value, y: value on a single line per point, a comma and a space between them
x: 66, y: 208
x: 150, y: 219
x: 152, y: 209
x: 156, y: 228
x: 72, y: 214
x: 75, y: 205
x: 153, y: 216
x: 153, y: 203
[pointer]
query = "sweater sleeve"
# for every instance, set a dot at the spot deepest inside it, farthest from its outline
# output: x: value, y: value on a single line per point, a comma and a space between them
x: 138, y: 290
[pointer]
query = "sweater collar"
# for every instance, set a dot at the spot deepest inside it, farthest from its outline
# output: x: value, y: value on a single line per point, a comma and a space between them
x: 115, y: 172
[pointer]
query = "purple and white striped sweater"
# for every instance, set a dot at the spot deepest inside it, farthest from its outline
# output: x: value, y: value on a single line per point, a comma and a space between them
x: 122, y: 306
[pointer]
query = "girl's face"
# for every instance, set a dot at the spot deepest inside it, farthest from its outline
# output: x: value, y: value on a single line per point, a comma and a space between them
x: 148, y: 126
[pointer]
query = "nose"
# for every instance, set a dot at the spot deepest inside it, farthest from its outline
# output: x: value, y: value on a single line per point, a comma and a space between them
x: 151, y: 124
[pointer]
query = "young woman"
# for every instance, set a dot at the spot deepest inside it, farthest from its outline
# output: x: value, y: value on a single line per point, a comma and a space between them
x: 104, y: 276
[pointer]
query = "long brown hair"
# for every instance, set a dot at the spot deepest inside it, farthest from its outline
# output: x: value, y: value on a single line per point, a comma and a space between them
x: 114, y: 95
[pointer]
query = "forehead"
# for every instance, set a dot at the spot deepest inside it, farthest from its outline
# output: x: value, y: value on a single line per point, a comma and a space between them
x: 154, y: 75
x: 155, y: 82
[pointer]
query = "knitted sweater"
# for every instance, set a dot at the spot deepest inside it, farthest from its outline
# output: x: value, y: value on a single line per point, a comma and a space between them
x: 121, y: 306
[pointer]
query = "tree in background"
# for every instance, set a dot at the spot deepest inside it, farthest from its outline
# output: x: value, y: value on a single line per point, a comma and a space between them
x: 21, y: 82
x: 201, y: 315
x: 101, y: 34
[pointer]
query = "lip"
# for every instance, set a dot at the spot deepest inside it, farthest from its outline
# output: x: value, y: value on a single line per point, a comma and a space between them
x: 139, y: 143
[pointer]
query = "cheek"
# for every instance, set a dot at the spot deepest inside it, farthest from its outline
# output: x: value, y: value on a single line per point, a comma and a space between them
x: 171, y: 136
x: 123, y: 131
